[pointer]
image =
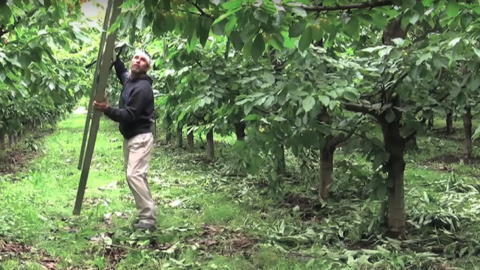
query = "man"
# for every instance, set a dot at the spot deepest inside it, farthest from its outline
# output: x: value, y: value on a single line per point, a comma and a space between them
x: 136, y: 109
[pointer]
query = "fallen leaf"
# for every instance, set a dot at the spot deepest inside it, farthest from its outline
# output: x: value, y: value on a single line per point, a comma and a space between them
x: 176, y: 203
x: 110, y: 186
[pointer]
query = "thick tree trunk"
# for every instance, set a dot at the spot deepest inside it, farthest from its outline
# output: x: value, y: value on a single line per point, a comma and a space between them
x: 210, y: 146
x: 326, y: 171
x: 179, y: 136
x: 395, y: 146
x: 396, y: 194
x: 191, y: 141
x: 467, y: 128
x: 240, y: 131
x: 449, y: 123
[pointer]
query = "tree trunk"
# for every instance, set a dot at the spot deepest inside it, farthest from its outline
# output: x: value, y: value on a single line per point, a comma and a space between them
x: 281, y: 168
x: 430, y: 122
x: 210, y: 146
x: 190, y: 141
x: 326, y: 171
x: 467, y: 127
x: 168, y: 123
x: 153, y: 128
x: 240, y: 131
x: 412, y: 144
x: 3, y: 145
x: 168, y: 136
x: 449, y: 122
x: 11, y: 139
x: 395, y: 146
x: 179, y: 136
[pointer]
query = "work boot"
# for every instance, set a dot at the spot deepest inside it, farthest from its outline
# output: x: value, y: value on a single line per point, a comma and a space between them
x: 145, y: 226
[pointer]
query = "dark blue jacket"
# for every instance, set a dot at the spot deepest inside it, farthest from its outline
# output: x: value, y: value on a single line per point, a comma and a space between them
x: 136, y: 106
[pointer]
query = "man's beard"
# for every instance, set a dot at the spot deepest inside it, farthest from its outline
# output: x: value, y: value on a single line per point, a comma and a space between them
x: 137, y: 71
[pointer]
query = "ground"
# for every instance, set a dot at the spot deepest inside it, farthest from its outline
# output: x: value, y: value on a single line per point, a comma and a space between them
x: 211, y: 221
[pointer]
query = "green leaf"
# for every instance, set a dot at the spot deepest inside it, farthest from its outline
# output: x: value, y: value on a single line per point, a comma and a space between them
x: 414, y: 16
x: 277, y: 41
x: 251, y: 117
x: 236, y: 40
x: 269, y: 78
x: 203, y: 30
x: 299, y: 11
x: 390, y: 115
x: 169, y: 22
x: 5, y: 12
x: 306, y: 39
x: 219, y: 29
x: 226, y: 15
x: 350, y: 96
x: 279, y: 118
x: 258, y: 47
x: 461, y: 98
x: 381, y: 191
x: 377, y: 160
x: 325, y: 100
x: 408, y: 3
x: 230, y: 25
x: 452, y: 8
x: 149, y: 5
x: 379, y: 19
x: 297, y: 29
x: 166, y: 5
x: 474, y: 84
x: 476, y: 134
x: 317, y: 33
x: 261, y: 16
x: 308, y: 103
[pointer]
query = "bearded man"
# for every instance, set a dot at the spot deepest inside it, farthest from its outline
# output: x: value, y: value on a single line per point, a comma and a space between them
x: 134, y: 115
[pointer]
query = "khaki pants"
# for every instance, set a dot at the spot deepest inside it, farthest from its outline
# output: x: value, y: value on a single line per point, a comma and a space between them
x: 137, y: 153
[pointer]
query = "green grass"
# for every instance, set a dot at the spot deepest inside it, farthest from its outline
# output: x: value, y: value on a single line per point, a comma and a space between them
x: 208, y: 221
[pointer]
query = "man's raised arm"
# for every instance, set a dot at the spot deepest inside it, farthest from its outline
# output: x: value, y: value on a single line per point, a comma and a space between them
x: 121, y: 70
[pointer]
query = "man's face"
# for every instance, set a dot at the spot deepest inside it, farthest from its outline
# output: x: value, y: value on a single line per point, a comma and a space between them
x: 139, y: 64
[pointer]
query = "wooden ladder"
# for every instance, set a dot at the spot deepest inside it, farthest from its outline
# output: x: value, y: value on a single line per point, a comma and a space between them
x: 102, y: 72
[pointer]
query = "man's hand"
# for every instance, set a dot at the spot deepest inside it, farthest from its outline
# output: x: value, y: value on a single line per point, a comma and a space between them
x: 100, y: 105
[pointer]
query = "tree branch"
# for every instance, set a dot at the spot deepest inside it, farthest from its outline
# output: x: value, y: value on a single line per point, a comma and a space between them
x: 347, y: 7
x: 359, y: 109
x: 409, y: 137
x: 342, y: 138
x: 200, y: 9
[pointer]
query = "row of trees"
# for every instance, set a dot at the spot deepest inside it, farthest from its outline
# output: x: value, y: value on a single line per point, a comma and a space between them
x: 307, y: 78
x: 42, y: 59
x: 293, y: 76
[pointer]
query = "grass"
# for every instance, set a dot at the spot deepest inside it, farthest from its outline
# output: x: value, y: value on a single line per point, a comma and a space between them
x: 210, y: 221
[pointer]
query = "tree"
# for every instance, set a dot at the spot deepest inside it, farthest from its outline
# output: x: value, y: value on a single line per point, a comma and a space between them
x: 41, y: 64
x: 394, y: 60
